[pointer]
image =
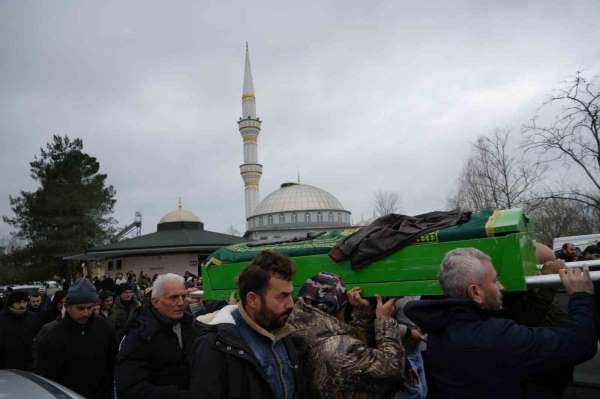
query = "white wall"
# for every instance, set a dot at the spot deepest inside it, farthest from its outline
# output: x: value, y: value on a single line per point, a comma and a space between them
x: 156, y: 264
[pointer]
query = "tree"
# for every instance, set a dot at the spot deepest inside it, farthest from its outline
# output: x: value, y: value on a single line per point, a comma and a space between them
x: 496, y: 176
x: 68, y: 212
x: 559, y: 217
x: 385, y: 202
x: 572, y: 137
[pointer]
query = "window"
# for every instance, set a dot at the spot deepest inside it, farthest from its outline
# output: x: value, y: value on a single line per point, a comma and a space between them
x: 319, y: 217
x: 270, y: 219
x: 339, y: 217
x: 307, y: 217
x: 330, y: 217
x: 119, y: 264
x: 294, y: 218
x: 282, y: 219
x: 260, y: 221
x: 110, y: 265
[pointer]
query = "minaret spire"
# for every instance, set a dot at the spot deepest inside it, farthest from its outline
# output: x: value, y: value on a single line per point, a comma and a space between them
x: 249, y: 127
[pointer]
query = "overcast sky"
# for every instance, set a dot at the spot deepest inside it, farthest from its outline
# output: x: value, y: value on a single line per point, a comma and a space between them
x: 356, y: 96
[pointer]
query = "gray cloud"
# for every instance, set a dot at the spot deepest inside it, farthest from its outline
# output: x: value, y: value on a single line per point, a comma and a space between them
x: 354, y: 96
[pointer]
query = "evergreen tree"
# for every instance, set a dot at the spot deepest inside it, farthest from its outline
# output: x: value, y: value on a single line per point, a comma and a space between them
x: 70, y: 210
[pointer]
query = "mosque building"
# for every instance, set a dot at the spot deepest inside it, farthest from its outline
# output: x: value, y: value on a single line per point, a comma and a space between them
x: 294, y: 210
x: 181, y: 243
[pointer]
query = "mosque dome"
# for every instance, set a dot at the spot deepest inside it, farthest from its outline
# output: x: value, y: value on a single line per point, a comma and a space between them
x: 179, y: 215
x: 179, y: 218
x: 297, y: 197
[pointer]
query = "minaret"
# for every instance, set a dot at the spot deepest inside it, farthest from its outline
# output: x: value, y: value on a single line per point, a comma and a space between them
x: 249, y: 126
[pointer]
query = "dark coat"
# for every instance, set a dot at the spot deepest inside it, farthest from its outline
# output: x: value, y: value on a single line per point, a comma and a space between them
x: 16, y: 338
x: 122, y: 314
x: 150, y: 363
x: 225, y: 367
x: 80, y: 357
x: 390, y: 233
x: 471, y: 354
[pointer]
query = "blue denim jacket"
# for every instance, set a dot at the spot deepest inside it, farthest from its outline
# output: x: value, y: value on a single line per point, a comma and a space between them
x: 272, y: 357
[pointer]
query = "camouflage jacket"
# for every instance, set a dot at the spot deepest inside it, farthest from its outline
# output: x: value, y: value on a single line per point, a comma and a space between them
x: 341, y: 365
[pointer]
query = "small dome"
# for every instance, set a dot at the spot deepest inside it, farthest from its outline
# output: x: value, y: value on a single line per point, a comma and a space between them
x: 179, y: 215
x: 297, y: 197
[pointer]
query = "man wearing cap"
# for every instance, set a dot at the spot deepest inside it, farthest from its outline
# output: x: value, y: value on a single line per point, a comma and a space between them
x: 124, y: 309
x: 79, y: 350
x: 341, y: 362
x: 18, y: 327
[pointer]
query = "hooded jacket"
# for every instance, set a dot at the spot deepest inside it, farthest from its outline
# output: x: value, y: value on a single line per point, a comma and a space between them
x: 225, y: 366
x: 341, y: 365
x: 471, y: 354
x: 151, y: 363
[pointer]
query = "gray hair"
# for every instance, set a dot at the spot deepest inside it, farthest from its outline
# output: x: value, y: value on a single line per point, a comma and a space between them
x: 161, y: 280
x: 461, y: 267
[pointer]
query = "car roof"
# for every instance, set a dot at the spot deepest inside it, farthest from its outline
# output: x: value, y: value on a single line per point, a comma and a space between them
x: 26, y: 385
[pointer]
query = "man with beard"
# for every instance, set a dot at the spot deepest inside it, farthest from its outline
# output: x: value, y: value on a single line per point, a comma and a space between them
x: 471, y: 353
x: 35, y: 302
x: 246, y: 350
x: 79, y: 350
x: 124, y: 309
x: 18, y: 327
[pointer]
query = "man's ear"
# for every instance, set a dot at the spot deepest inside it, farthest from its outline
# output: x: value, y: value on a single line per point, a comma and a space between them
x: 253, y: 300
x: 474, y: 293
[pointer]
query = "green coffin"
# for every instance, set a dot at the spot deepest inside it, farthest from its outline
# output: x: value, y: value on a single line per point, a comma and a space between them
x: 503, y: 235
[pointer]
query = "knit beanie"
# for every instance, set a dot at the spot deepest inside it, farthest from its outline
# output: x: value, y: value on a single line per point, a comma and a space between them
x: 82, y: 291
x: 16, y: 296
x: 325, y: 291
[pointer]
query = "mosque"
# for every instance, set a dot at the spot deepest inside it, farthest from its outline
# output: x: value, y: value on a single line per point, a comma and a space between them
x: 181, y: 243
x: 295, y: 209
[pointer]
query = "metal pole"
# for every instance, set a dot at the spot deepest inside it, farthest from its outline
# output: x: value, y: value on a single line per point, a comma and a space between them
x: 592, y: 264
x: 554, y: 279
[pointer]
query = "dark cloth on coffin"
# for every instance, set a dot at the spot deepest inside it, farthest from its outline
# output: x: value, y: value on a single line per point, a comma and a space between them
x: 390, y: 233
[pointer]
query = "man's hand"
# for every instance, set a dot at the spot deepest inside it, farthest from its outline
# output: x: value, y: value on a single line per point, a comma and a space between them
x: 576, y: 280
x: 553, y: 266
x: 356, y: 300
x: 416, y: 335
x: 385, y: 309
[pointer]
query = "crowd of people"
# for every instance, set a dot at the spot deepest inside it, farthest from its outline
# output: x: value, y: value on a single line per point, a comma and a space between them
x: 136, y: 337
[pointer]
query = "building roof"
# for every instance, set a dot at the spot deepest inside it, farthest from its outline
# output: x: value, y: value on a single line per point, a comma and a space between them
x: 176, y: 240
x: 297, y: 197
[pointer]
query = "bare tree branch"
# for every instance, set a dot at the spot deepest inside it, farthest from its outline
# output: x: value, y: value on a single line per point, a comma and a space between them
x: 573, y: 136
x: 496, y: 176
x: 385, y: 202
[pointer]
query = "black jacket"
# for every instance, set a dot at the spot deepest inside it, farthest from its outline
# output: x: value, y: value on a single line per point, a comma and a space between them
x: 390, y: 233
x: 16, y: 337
x: 123, y: 314
x: 150, y: 363
x: 80, y: 357
x: 225, y: 367
x: 471, y: 354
